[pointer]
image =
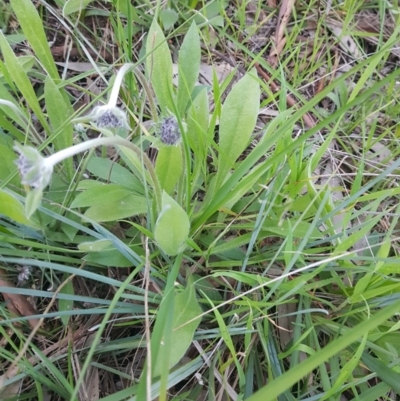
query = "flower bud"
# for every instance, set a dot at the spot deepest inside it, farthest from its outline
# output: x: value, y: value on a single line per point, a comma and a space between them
x: 35, y: 170
x: 109, y: 117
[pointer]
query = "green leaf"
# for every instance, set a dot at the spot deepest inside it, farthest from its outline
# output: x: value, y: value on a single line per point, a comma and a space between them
x: 186, y: 309
x: 346, y: 371
x: 66, y: 305
x: 386, y: 374
x: 168, y: 18
x: 32, y: 201
x: 237, y: 122
x: 27, y: 63
x: 111, y: 257
x: 197, y: 124
x: 169, y: 167
x: 32, y: 26
x: 7, y: 165
x: 101, y: 194
x: 21, y: 80
x: 129, y: 206
x: 188, y: 67
x: 11, y: 208
x: 73, y: 6
x: 95, y: 246
x: 113, y: 172
x: 172, y: 226
x: 159, y: 66
x: 292, y: 376
x: 60, y: 111
x: 8, y: 111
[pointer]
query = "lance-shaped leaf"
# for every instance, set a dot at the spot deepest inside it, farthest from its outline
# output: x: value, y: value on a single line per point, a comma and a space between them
x: 185, y: 322
x: 169, y: 167
x: 237, y: 122
x: 189, y: 67
x: 159, y: 66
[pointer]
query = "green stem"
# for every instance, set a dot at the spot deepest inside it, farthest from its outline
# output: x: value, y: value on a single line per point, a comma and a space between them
x: 110, y: 141
x: 147, y: 89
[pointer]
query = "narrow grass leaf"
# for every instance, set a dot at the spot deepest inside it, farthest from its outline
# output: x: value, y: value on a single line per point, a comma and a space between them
x: 66, y: 305
x: 228, y: 341
x: 22, y: 81
x: 386, y: 374
x: 59, y: 112
x: 284, y: 382
x: 346, y: 371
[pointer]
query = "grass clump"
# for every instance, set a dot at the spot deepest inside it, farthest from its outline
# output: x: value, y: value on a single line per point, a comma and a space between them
x: 206, y: 201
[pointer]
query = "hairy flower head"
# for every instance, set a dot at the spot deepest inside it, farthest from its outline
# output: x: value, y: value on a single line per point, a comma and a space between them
x: 109, y: 117
x: 35, y: 169
x: 169, y: 131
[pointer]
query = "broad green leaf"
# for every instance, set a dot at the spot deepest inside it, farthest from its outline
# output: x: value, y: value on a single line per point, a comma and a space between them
x: 101, y: 194
x: 66, y: 305
x: 32, y: 201
x: 32, y: 26
x: 111, y: 257
x: 60, y: 111
x: 186, y: 309
x: 73, y: 6
x: 11, y: 208
x: 237, y: 122
x: 159, y: 66
x: 129, y: 206
x: 188, y: 67
x: 168, y: 18
x: 21, y: 80
x: 69, y: 229
x: 172, y: 226
x: 95, y: 246
x: 27, y: 62
x: 113, y: 172
x: 169, y: 167
x: 15, y: 39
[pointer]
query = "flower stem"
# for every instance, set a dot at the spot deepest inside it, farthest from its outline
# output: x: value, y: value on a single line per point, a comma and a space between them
x: 112, y: 102
x: 110, y: 141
